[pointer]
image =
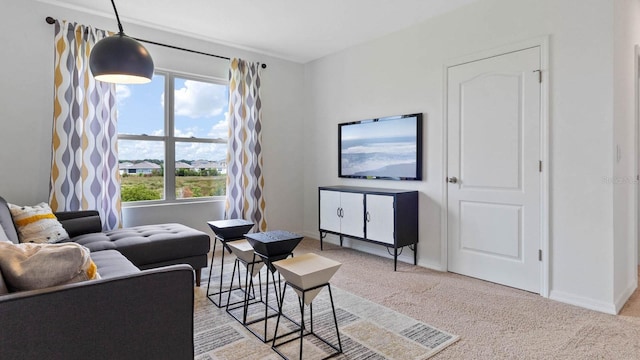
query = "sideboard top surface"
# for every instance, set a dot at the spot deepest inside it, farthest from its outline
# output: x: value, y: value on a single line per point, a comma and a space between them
x: 368, y: 190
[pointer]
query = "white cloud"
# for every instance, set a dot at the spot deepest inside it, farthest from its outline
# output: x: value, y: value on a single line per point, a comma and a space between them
x: 198, y: 99
x: 186, y: 132
x: 138, y: 150
x: 220, y: 130
x: 200, y: 151
x: 122, y: 93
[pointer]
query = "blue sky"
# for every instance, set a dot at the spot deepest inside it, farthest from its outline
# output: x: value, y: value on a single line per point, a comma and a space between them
x: 200, y: 111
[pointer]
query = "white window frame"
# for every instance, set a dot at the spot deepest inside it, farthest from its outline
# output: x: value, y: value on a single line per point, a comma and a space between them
x: 169, y: 139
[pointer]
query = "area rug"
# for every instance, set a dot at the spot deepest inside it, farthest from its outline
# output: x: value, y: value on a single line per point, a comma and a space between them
x: 367, y: 330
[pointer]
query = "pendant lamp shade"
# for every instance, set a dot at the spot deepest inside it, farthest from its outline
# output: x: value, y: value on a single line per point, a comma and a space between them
x: 120, y: 59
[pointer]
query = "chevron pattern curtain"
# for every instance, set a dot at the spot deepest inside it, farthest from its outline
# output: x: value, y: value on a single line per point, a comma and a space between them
x: 245, y: 181
x: 84, y: 161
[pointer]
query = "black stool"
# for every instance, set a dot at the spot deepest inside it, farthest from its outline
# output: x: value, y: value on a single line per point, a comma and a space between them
x: 225, y: 231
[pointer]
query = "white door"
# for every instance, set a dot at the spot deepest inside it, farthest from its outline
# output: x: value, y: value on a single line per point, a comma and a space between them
x: 494, y: 181
x: 380, y: 217
x: 330, y: 210
x: 352, y: 222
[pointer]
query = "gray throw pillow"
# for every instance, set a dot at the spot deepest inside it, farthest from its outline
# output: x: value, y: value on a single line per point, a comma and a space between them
x: 32, y: 266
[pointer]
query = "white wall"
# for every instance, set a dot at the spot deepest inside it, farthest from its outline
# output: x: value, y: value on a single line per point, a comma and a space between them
x: 26, y: 103
x: 403, y: 73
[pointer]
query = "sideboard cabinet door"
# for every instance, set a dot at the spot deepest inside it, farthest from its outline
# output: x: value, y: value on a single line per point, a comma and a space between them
x: 342, y: 212
x: 352, y: 222
x: 380, y: 217
x: 330, y: 210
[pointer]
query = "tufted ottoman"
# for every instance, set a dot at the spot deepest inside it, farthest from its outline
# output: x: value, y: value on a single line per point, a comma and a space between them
x: 151, y: 246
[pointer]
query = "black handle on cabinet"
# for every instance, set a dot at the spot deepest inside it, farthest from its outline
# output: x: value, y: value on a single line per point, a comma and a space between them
x: 368, y: 217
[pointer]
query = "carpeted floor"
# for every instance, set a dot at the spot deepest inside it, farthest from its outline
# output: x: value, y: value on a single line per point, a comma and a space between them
x: 493, y: 321
x: 367, y: 330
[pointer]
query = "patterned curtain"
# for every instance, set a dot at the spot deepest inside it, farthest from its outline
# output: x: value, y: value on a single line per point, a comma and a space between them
x: 84, y: 162
x: 245, y: 181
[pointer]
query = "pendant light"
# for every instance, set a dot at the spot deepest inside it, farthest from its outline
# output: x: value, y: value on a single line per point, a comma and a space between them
x: 120, y: 59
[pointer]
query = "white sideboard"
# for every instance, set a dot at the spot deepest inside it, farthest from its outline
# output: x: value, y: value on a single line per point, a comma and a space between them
x: 382, y: 216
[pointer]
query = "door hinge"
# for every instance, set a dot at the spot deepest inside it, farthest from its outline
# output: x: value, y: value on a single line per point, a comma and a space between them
x: 539, y: 75
x: 539, y: 255
x: 540, y: 166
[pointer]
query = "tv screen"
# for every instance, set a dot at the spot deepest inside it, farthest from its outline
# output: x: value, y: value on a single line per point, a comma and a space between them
x: 384, y: 148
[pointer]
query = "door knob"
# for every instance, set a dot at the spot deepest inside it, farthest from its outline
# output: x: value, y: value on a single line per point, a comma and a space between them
x: 452, y: 179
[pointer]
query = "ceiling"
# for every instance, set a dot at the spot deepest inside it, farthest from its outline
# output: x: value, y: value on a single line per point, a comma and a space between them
x: 296, y: 30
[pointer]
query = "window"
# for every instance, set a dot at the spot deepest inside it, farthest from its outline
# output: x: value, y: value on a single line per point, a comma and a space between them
x: 174, y: 125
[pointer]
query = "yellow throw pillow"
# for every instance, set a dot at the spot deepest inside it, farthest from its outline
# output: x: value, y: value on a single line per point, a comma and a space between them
x: 37, y: 224
x: 36, y: 266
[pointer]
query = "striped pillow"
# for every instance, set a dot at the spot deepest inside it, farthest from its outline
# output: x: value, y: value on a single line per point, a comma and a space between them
x: 37, y: 224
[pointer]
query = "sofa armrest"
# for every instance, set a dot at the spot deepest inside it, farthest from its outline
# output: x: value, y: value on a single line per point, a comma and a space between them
x: 80, y: 222
x: 147, y: 315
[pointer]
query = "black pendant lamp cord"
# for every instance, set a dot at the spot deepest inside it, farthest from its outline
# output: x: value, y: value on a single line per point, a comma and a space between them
x: 52, y: 21
x: 117, y: 17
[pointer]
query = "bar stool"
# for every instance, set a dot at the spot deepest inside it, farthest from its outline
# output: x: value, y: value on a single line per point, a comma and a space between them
x: 243, y: 251
x: 226, y: 231
x: 307, y: 275
x: 271, y: 246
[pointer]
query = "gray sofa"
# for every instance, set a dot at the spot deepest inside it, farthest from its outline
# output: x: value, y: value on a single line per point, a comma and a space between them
x: 146, y: 246
x: 141, y: 308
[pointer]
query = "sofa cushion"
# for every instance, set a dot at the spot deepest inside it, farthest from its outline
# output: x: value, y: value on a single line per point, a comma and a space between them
x: 150, y: 244
x: 95, y: 241
x: 3, y: 285
x: 112, y: 264
x: 6, y: 221
x: 3, y: 235
x: 37, y: 224
x: 35, y: 266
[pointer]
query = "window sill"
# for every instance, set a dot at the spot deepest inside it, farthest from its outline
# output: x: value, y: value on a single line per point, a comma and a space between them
x: 180, y: 202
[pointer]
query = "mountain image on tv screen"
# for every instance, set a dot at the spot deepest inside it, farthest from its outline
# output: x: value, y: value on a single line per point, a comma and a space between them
x: 382, y: 148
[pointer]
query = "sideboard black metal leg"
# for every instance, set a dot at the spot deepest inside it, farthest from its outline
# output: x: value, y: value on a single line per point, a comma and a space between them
x: 322, y: 236
x: 395, y: 258
x: 415, y: 254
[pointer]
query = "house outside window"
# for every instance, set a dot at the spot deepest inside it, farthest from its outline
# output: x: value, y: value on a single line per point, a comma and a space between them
x: 172, y: 138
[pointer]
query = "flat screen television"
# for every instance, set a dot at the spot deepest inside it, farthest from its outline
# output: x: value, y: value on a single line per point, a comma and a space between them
x: 385, y: 148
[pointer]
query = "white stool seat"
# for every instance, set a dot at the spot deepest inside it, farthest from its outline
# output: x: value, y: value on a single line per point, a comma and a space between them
x: 307, y: 271
x: 307, y: 274
x: 243, y: 250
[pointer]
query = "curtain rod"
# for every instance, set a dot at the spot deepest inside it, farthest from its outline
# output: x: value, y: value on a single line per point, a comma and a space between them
x: 51, y: 21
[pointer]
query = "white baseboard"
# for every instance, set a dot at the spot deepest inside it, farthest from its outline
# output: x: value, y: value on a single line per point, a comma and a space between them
x: 626, y: 294
x: 584, y: 302
x: 374, y: 249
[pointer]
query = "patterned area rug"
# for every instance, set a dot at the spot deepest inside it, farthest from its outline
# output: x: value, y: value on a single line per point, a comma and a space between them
x: 367, y: 330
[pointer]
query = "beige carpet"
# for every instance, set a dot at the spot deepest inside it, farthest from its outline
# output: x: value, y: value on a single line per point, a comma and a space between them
x: 367, y: 330
x: 492, y: 321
